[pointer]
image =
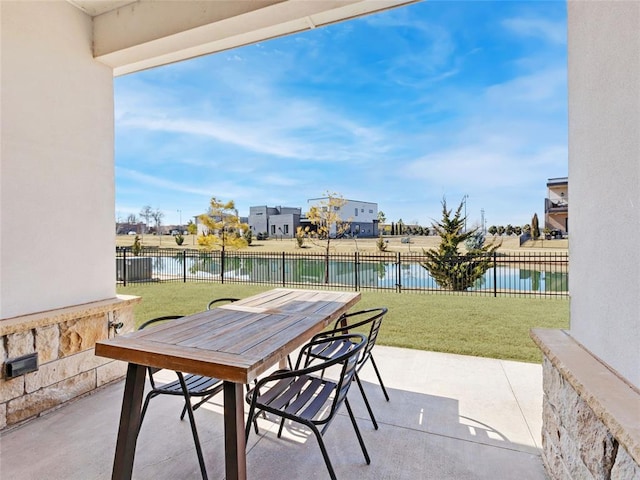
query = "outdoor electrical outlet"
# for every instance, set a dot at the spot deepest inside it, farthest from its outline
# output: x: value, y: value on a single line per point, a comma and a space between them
x: 21, y: 365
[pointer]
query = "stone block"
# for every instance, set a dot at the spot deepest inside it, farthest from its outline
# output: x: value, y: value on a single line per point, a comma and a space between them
x: 82, y: 333
x: 3, y: 349
x: 44, y: 399
x: 110, y: 371
x: 597, y: 446
x: 47, y: 343
x: 19, y: 344
x: 54, y: 372
x: 3, y: 415
x: 552, y: 459
x: 625, y: 467
x: 568, y: 448
x: 11, y: 388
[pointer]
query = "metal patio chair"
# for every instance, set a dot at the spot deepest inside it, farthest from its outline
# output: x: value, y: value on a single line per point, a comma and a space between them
x: 300, y: 396
x: 368, y: 321
x: 186, y: 386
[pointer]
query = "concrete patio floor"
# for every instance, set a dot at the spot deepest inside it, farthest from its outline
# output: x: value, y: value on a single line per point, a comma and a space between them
x: 449, y: 417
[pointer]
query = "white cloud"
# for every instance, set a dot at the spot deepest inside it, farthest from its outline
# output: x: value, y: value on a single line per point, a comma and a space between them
x: 553, y: 32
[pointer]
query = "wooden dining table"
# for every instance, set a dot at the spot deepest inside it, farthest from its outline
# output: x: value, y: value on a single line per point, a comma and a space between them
x: 235, y: 343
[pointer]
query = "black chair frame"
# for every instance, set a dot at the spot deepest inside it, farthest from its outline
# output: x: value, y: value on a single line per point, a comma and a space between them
x: 218, y: 300
x: 343, y: 326
x: 299, y: 396
x: 186, y: 386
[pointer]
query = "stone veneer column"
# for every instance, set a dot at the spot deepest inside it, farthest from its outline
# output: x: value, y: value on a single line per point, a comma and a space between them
x: 67, y: 367
x: 591, y: 416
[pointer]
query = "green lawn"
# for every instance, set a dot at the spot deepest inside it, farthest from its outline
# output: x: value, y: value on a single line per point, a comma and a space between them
x: 467, y: 325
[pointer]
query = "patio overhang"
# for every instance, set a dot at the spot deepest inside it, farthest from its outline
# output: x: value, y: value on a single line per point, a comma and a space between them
x: 133, y: 36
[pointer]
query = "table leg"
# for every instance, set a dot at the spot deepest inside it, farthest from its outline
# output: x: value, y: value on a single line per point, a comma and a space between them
x: 234, y: 443
x: 129, y: 421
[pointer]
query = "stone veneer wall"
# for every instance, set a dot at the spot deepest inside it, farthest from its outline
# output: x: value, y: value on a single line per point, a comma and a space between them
x: 591, y: 416
x: 67, y: 367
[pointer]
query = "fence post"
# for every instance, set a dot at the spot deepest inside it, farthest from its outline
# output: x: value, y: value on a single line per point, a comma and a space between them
x: 124, y: 266
x: 495, y: 275
x: 184, y: 266
x: 284, y: 278
x: 398, y: 273
x: 222, y: 266
x: 355, y: 270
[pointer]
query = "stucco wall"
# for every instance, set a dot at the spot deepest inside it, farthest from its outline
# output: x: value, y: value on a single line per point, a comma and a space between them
x: 57, y: 174
x: 604, y: 164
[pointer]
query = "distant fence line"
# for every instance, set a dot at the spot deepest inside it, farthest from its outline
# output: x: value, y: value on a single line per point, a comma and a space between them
x: 544, y: 274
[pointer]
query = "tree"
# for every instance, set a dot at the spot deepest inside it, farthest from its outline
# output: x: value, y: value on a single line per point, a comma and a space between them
x: 325, y: 217
x: 157, y: 218
x: 501, y: 230
x: 493, y: 229
x: 132, y: 218
x: 509, y: 229
x: 192, y: 228
x: 223, y: 227
x: 535, y: 228
x: 447, y: 266
x: 147, y: 214
x: 381, y: 217
x: 381, y: 244
x: 474, y: 241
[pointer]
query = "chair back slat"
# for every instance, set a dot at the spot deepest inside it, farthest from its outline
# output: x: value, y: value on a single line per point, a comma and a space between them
x: 348, y: 371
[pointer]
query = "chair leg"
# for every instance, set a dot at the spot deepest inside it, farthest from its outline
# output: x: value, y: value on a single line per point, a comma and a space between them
x: 366, y: 402
x: 149, y: 396
x: 375, y: 367
x: 323, y: 449
x: 251, y: 419
x: 194, y: 430
x: 355, y: 427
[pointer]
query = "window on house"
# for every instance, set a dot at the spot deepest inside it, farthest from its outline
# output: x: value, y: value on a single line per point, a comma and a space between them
x: 286, y: 229
x: 362, y: 210
x: 356, y: 212
x: 273, y: 229
x: 370, y: 210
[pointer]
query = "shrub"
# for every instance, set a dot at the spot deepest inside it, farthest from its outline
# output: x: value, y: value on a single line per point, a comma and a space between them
x: 381, y: 244
x: 248, y: 236
x: 136, y: 248
x: 179, y: 239
x: 301, y: 233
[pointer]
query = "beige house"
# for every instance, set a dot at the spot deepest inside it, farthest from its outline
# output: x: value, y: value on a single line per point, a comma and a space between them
x: 556, y: 205
x: 57, y: 298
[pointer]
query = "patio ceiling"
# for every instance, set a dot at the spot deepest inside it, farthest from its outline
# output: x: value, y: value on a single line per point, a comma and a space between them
x: 132, y: 36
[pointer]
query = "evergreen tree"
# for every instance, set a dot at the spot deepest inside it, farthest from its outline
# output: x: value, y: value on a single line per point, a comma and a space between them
x: 535, y: 228
x: 451, y: 269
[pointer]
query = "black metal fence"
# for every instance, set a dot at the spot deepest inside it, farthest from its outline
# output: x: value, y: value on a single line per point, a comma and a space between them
x: 530, y: 274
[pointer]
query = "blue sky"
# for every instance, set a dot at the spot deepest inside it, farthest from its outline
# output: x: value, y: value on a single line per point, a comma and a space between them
x: 402, y: 108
